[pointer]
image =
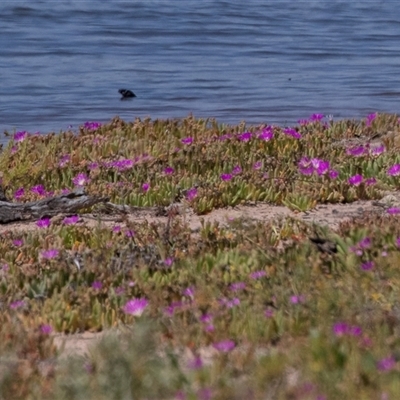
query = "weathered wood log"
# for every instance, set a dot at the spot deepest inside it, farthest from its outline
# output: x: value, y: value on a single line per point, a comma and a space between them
x: 63, y: 204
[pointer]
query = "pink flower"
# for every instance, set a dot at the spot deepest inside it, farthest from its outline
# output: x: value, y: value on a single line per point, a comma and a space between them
x: 316, y: 117
x: 257, y: 165
x: 145, y: 187
x: 46, y: 329
x: 20, y: 136
x: 224, y: 346
x: 80, y: 180
x: 257, y: 274
x: 48, y: 254
x: 43, y: 223
x: 168, y: 171
x: 226, y: 177
x: 17, y: 304
x: 64, y: 160
x: 269, y: 313
x: 38, y: 189
x: 292, y: 132
x: 393, y: 210
x: 394, y: 170
x: 356, y: 151
x: 367, y: 265
x: 18, y: 242
x: 297, y: 299
x: 237, y: 170
x: 245, y: 137
x: 135, y: 306
x: 237, y: 286
x: 19, y: 193
x: 386, y: 364
x: 168, y: 261
x: 71, y: 220
x: 267, y: 134
x: 191, y: 194
x: 188, y: 140
x: 370, y: 118
x: 91, y: 126
x: 355, y: 180
x: 97, y: 285
x: 195, y: 363
x: 333, y: 174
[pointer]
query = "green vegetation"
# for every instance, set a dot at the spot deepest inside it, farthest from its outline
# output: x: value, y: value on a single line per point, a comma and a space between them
x: 241, y: 310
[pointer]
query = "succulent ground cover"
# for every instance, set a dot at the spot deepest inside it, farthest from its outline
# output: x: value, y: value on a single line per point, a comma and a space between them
x: 242, y: 309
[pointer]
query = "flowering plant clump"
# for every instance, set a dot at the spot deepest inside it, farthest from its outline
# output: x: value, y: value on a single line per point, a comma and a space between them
x: 183, y: 273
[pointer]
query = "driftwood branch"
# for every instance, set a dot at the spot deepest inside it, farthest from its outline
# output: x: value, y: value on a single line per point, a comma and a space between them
x: 63, y: 204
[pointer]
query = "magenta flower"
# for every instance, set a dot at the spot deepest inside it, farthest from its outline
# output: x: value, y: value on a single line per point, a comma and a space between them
x: 43, y: 223
x: 168, y: 170
x: 245, y: 137
x: 230, y: 303
x: 64, y: 160
x: 91, y: 126
x: 38, y: 189
x: 333, y: 174
x: 188, y: 140
x: 394, y: 170
x: 398, y: 242
x: 292, y: 132
x: 97, y: 285
x: 393, y: 210
x: 297, y: 299
x: 370, y: 181
x: 49, y: 254
x: 80, y: 180
x: 257, y: 165
x: 71, y: 220
x: 129, y: 233
x: 341, y: 329
x: 19, y: 193
x: 226, y: 177
x: 17, y: 304
x: 191, y: 194
x: 316, y: 117
x: 320, y: 166
x: 170, y: 310
x: 135, y: 307
x: 257, y: 274
x: 237, y: 170
x: 356, y: 151
x: 365, y: 243
x: 189, y: 292
x: 305, y: 166
x: 368, y: 265
x: 266, y: 134
x: 20, y: 136
x: 195, y: 363
x: 18, y: 242
x: 116, y: 228
x: 269, y: 313
x: 386, y: 364
x: 145, y: 187
x: 355, y: 180
x: 376, y: 151
x: 46, y: 329
x: 168, y: 261
x: 226, y: 136
x: 224, y: 346
x: 370, y: 118
x: 237, y: 286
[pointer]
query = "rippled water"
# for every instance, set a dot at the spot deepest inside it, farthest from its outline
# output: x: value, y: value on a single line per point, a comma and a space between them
x: 63, y: 62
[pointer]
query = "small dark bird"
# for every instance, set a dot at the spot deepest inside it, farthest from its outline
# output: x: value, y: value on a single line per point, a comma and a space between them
x: 126, y: 93
x: 324, y: 245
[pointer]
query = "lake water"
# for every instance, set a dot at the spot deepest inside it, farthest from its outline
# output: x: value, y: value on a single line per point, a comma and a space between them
x: 62, y: 62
